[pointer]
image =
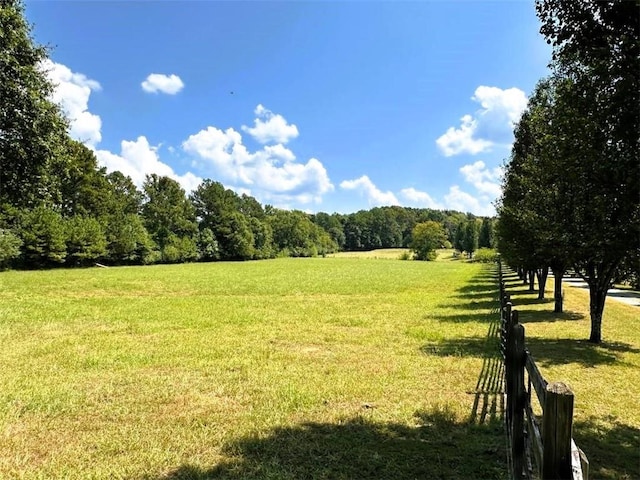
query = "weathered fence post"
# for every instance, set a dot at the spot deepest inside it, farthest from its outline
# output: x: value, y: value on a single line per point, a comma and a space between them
x: 518, y: 395
x: 556, y: 432
x: 508, y: 355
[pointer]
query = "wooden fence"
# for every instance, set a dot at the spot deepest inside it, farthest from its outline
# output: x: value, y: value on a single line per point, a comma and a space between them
x: 541, y: 446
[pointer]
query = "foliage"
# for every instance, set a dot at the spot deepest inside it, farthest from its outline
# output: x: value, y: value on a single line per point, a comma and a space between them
x: 426, y: 238
x: 179, y: 250
x: 573, y: 182
x: 9, y: 247
x: 86, y: 240
x: 405, y: 255
x: 128, y: 240
x: 166, y: 211
x: 486, y: 235
x: 43, y: 237
x: 485, y: 255
x: 207, y: 245
x: 32, y: 127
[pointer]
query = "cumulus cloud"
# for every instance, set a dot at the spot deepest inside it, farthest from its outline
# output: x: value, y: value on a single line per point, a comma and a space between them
x: 489, y: 126
x: 462, y: 201
x: 72, y: 91
x: 160, y: 83
x: 485, y: 180
x: 484, y: 184
x: 138, y: 158
x: 373, y: 194
x: 270, y: 127
x: 419, y: 199
x: 272, y: 172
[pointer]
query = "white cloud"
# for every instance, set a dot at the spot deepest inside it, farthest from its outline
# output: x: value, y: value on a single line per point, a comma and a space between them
x: 270, y: 127
x: 158, y: 82
x: 489, y: 126
x: 456, y: 199
x: 138, y: 158
x: 487, y: 181
x: 460, y: 140
x: 419, y: 199
x: 272, y: 172
x: 366, y: 187
x: 72, y: 91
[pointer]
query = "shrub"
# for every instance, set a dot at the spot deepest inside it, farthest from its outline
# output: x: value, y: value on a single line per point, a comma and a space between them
x: 406, y: 255
x: 485, y: 255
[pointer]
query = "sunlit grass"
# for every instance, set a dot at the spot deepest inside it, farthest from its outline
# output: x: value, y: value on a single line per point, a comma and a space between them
x: 291, y: 368
x: 605, y: 378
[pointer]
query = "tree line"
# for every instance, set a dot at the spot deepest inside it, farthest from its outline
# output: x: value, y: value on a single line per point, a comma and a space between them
x: 571, y: 196
x: 59, y: 207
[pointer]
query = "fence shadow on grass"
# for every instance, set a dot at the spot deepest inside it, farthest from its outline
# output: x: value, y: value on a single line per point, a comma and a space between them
x: 488, y: 403
x: 437, y: 447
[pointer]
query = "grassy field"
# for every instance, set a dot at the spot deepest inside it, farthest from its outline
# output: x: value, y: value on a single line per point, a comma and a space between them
x: 327, y: 368
x: 291, y: 368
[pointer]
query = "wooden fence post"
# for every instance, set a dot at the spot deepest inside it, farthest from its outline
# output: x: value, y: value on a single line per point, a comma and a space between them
x: 556, y: 432
x: 511, y: 318
x: 518, y: 395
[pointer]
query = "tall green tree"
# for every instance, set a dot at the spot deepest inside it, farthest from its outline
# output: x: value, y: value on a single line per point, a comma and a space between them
x: 486, y: 234
x: 426, y: 238
x: 32, y: 127
x: 43, y: 236
x: 596, y: 48
x: 85, y: 239
x: 167, y: 212
x: 532, y: 207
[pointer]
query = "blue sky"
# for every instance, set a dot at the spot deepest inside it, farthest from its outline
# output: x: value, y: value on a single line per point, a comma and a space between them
x: 318, y: 106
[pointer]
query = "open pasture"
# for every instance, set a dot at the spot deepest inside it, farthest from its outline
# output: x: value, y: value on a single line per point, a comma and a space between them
x: 340, y: 368
x: 291, y: 368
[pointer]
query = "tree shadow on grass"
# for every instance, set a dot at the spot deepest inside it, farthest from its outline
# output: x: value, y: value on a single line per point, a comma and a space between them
x: 546, y: 352
x: 535, y: 316
x: 562, y: 351
x: 613, y: 448
x: 438, y: 447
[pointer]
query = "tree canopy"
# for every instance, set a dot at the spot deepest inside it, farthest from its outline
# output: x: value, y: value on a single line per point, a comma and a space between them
x: 571, y: 189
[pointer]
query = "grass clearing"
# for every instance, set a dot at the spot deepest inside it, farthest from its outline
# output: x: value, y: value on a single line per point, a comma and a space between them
x: 604, y: 378
x: 291, y: 368
x: 340, y: 368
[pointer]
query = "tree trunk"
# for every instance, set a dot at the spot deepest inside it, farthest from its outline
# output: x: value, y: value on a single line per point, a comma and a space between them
x: 558, y: 273
x: 542, y: 274
x: 597, y: 297
x: 532, y: 280
x: 521, y: 274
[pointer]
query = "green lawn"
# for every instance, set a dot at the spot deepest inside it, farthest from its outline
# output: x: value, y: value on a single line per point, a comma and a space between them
x: 327, y: 368
x: 291, y: 368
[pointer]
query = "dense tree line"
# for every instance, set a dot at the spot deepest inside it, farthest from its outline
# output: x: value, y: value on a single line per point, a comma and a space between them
x: 571, y: 196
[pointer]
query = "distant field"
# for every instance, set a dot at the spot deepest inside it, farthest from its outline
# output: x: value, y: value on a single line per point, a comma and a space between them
x: 326, y: 368
x: 291, y: 368
x: 388, y: 254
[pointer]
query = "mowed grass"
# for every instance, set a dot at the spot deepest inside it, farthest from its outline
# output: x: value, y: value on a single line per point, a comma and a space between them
x: 335, y: 368
x: 605, y: 378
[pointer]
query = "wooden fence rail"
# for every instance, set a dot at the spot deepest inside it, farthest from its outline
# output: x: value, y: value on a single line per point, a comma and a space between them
x: 540, y: 446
